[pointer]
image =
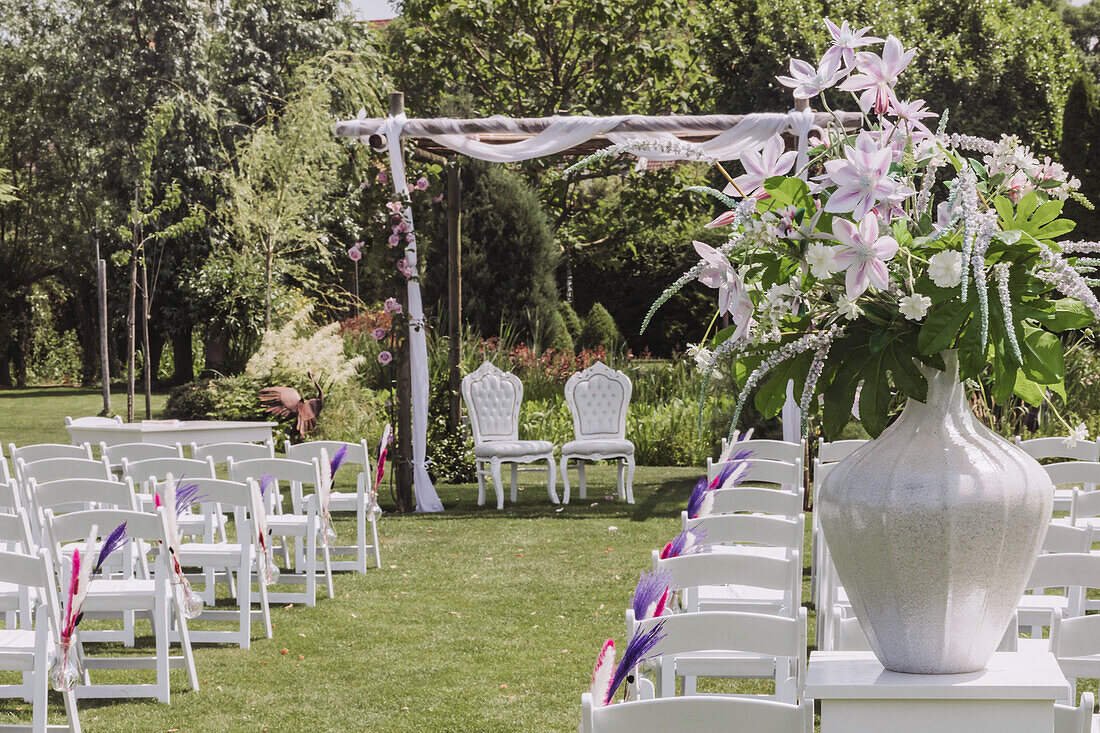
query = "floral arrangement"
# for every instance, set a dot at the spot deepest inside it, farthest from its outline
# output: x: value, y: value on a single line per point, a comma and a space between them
x: 886, y: 244
x: 324, y: 491
x: 269, y: 572
x: 65, y: 670
x: 380, y: 469
x: 176, y: 499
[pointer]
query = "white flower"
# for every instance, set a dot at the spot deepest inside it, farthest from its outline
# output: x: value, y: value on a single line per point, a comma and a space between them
x: 914, y: 306
x: 848, y: 308
x: 822, y: 260
x: 1079, y: 433
x: 945, y: 268
x: 702, y: 355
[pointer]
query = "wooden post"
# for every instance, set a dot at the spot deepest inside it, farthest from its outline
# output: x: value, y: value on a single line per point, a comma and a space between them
x: 104, y: 362
x: 454, y: 293
x: 131, y: 314
x: 148, y: 360
x: 404, y: 468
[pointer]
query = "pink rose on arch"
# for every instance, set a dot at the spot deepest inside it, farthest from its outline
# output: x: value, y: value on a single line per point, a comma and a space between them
x: 404, y: 268
x: 438, y: 198
x: 401, y: 227
x: 392, y: 306
x: 394, y: 240
x: 378, y: 334
x: 394, y: 207
x: 382, y: 178
x: 385, y: 358
x: 422, y: 183
x: 354, y: 253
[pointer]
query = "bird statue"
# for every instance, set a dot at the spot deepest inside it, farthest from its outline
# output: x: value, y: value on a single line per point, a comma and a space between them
x: 285, y: 401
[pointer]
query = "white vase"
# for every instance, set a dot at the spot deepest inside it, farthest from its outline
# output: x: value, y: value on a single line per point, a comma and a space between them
x: 934, y: 528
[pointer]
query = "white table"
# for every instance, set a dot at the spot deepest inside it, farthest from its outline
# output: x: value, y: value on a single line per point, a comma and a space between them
x: 170, y: 432
x: 1014, y: 694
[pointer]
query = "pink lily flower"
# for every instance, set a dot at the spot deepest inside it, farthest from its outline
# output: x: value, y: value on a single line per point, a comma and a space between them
x: 760, y: 166
x: 733, y: 297
x: 913, y: 112
x: 878, y: 75
x: 807, y: 81
x: 845, y: 43
x: 862, y: 178
x: 864, y: 254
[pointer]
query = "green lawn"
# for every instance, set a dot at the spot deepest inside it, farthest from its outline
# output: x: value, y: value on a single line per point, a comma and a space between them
x: 479, y: 620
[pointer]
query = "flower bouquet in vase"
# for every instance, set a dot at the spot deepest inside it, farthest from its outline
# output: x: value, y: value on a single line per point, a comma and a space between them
x: 890, y: 259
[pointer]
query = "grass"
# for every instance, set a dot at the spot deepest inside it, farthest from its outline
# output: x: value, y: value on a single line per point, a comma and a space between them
x: 478, y: 620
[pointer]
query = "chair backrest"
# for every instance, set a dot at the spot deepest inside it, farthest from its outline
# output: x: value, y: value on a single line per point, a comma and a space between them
x: 598, y: 397
x: 761, y: 471
x: 757, y: 500
x: 43, y: 451
x: 299, y: 474
x: 691, y: 571
x: 1073, y: 570
x: 157, y: 469
x: 220, y: 452
x: 748, y: 529
x: 770, y: 450
x: 53, y: 469
x: 837, y: 450
x: 492, y: 398
x: 11, y: 499
x: 1076, y: 644
x: 358, y: 453
x: 1067, y: 538
x: 66, y: 495
x: 15, y: 531
x: 34, y: 570
x: 1069, y: 719
x: 702, y: 714
x: 134, y: 452
x: 1040, y: 448
x: 1073, y: 472
x: 144, y: 527
x: 92, y: 421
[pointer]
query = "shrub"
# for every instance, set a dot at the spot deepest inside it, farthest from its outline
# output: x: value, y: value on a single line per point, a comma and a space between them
x: 560, y: 338
x: 600, y: 330
x: 299, y: 347
x: 352, y: 413
x: 570, y: 318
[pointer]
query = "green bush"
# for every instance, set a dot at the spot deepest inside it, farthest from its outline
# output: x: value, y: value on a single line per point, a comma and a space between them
x: 352, y: 413
x: 570, y: 318
x: 600, y: 330
x: 560, y: 338
x: 229, y: 398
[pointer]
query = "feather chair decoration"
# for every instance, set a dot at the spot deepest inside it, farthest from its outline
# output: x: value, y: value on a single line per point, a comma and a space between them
x: 270, y: 571
x: 687, y: 542
x: 638, y: 649
x: 65, y: 672
x: 601, y: 673
x: 380, y: 470
x: 175, y: 499
x: 651, y: 594
x: 701, y: 499
x: 324, y: 491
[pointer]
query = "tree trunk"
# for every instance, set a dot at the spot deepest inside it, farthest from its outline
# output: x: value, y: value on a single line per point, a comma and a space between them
x: 217, y: 351
x: 267, y: 289
x: 131, y: 347
x: 454, y: 295
x: 182, y: 356
x: 147, y: 362
x: 5, y: 369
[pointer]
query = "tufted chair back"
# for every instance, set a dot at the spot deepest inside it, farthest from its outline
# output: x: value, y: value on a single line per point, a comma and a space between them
x: 492, y: 398
x: 598, y: 397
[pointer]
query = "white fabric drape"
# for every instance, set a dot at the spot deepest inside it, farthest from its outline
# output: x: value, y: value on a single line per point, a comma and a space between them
x: 426, y: 498
x: 751, y: 133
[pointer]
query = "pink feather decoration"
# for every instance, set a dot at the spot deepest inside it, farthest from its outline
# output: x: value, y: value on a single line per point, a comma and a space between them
x: 602, y: 672
x: 661, y: 603
x: 74, y: 587
x: 383, y: 449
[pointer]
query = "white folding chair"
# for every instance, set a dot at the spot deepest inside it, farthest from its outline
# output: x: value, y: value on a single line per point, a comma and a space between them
x: 153, y: 598
x: 492, y: 399
x: 837, y: 450
x: 45, y: 451
x: 598, y: 398
x: 15, y: 536
x: 1074, y: 572
x: 52, y: 469
x: 1075, y: 643
x: 302, y: 522
x: 242, y: 499
x: 729, y: 645
x: 1069, y: 719
x: 787, y: 476
x: 712, y: 581
x: 134, y: 452
x: 30, y: 651
x: 1056, y: 448
x: 702, y: 714
x: 762, y: 449
x: 219, y: 453
x: 5, y: 470
x: 756, y: 500
x: 768, y: 535
x: 358, y: 455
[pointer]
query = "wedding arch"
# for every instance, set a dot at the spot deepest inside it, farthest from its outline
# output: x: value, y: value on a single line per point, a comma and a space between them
x: 507, y: 139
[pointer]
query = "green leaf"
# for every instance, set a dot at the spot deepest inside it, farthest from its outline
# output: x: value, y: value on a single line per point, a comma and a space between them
x: 840, y: 396
x: 1043, y: 359
x: 874, y: 398
x: 786, y: 191
x: 941, y: 326
x: 972, y: 356
x: 1068, y: 313
x: 1041, y: 222
x: 1028, y: 391
x: 907, y: 376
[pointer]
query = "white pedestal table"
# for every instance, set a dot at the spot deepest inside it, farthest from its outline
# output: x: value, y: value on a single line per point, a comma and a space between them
x: 170, y: 432
x: 1014, y: 694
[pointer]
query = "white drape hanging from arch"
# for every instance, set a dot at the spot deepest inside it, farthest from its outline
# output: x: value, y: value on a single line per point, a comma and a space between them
x: 563, y: 133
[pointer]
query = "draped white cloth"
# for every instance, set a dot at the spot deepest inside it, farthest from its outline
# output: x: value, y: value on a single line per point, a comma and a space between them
x: 751, y: 133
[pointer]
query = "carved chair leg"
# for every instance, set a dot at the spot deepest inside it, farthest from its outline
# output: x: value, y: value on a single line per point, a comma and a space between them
x: 551, y: 479
x: 494, y: 467
x: 580, y: 478
x: 515, y: 481
x: 565, y: 479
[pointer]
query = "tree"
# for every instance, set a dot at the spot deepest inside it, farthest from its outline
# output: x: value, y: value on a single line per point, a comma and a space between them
x: 1083, y: 22
x: 1081, y: 153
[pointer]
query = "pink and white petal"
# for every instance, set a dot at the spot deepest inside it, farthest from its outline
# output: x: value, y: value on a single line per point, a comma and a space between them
x: 799, y: 67
x: 846, y: 232
x: 722, y: 219
x: 843, y: 200
x: 855, y: 281
x: 856, y: 82
x: 868, y: 230
x: 845, y: 257
x: 789, y: 82
x: 877, y: 274
x: 863, y: 208
x: 784, y: 163
x: 885, y: 248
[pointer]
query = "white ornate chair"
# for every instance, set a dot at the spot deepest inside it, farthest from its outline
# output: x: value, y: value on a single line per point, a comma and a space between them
x: 599, y: 397
x: 493, y: 398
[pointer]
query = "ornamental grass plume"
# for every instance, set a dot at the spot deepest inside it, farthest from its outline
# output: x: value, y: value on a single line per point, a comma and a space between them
x: 300, y: 347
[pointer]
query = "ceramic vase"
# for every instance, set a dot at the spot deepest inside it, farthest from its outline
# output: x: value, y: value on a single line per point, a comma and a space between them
x: 934, y: 528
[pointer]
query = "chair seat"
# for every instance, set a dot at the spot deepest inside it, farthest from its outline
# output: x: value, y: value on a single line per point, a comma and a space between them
x: 17, y: 649
x: 739, y: 598
x: 205, y: 553
x: 598, y: 446
x: 130, y: 594
x: 725, y: 663
x: 513, y: 448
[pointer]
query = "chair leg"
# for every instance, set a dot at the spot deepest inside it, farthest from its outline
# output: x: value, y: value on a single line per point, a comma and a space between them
x: 328, y: 570
x: 479, y: 468
x: 630, y: 480
x: 244, y: 604
x: 580, y: 478
x: 160, y: 633
x: 361, y: 539
x: 552, y: 479
x: 565, y: 479
x: 515, y: 481
x: 619, y: 489
x: 71, y: 711
x: 188, y: 653
x: 311, y: 560
x: 494, y: 467
x: 40, y: 695
x: 374, y: 541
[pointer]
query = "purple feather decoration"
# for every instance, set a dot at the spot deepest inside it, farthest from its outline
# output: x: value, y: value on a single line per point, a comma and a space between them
x: 695, y: 501
x: 685, y: 543
x: 186, y: 497
x: 647, y: 596
x: 637, y: 651
x: 265, y: 483
x: 114, y: 541
x: 338, y: 459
